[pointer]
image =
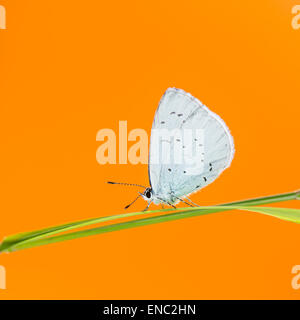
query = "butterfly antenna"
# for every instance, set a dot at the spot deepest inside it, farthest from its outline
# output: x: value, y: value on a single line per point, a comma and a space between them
x: 126, y: 184
x: 132, y: 202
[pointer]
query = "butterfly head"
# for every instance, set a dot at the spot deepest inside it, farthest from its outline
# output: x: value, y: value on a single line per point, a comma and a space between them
x: 148, y: 194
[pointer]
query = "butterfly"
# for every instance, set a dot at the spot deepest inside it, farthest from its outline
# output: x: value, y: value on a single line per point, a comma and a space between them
x: 190, y: 147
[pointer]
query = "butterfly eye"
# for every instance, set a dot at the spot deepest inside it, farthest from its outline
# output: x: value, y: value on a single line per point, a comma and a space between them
x: 148, y: 194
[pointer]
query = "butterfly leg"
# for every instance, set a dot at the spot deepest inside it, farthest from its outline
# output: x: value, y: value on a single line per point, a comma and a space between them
x: 195, y: 204
x: 148, y: 205
x: 170, y: 204
x: 166, y: 202
x: 183, y: 201
x: 173, y: 195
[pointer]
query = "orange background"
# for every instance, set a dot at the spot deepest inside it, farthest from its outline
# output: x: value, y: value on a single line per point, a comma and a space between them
x: 71, y: 68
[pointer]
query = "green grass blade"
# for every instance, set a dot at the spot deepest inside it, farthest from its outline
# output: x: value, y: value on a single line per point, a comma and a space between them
x: 288, y: 214
x: 46, y: 232
x: 38, y: 234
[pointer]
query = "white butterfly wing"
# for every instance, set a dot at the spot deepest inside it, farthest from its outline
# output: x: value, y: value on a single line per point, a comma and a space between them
x: 181, y: 112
